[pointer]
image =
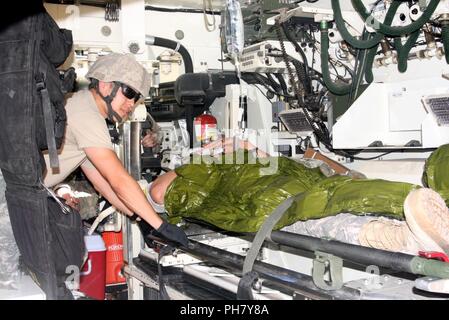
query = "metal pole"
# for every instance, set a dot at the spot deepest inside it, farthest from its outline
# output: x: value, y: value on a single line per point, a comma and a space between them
x: 359, y: 254
x: 135, y: 168
x: 127, y: 234
x: 289, y: 279
x: 368, y: 256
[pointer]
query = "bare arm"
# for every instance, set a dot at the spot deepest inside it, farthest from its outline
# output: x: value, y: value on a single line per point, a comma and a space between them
x: 103, y: 187
x: 122, y: 184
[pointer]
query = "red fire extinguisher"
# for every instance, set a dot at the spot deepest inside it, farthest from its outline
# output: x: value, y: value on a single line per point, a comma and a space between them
x: 205, y: 128
x: 114, y: 257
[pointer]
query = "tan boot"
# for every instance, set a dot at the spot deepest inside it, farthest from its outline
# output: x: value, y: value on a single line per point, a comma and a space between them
x: 390, y: 235
x: 428, y: 218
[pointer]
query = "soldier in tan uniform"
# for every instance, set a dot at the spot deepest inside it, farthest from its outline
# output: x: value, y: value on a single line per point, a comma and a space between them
x: 118, y: 82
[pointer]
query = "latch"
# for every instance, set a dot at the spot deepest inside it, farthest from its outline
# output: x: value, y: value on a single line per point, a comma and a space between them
x: 323, y: 263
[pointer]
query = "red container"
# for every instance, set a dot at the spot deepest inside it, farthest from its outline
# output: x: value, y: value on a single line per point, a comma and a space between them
x: 93, y: 273
x: 114, y: 257
x: 205, y: 128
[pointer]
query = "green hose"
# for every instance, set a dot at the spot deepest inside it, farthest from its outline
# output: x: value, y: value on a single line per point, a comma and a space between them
x: 404, y: 50
x: 339, y: 90
x: 396, y: 31
x: 369, y: 77
x: 431, y: 268
x: 445, y: 37
x: 364, y: 44
x: 353, y: 41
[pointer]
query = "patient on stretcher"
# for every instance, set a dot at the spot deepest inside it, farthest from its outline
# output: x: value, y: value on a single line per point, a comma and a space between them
x: 386, y: 215
x: 381, y: 214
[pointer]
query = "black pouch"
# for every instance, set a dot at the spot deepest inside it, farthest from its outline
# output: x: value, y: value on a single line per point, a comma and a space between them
x: 67, y: 246
x: 49, y: 240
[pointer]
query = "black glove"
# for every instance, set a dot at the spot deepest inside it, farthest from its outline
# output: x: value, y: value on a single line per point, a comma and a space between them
x: 166, y: 230
x: 173, y: 233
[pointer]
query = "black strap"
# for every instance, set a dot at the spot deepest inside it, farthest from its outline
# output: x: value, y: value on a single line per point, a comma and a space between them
x: 244, y: 290
x: 108, y: 100
x: 48, y: 121
x: 163, y: 295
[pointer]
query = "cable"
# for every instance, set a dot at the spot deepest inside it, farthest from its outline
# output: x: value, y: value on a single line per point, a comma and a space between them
x: 162, y: 9
x: 286, y: 28
x: 258, y: 79
x: 282, y: 83
x: 273, y: 83
x: 262, y: 93
x: 287, y: 64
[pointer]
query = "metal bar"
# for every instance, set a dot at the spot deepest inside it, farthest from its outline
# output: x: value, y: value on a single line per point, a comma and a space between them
x: 367, y: 256
x: 135, y: 148
x: 286, y: 278
x: 125, y: 131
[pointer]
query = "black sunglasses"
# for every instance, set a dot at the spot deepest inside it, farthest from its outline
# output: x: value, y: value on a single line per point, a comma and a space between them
x: 129, y: 92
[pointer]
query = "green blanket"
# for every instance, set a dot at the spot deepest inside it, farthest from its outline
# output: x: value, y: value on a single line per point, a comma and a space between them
x: 239, y: 197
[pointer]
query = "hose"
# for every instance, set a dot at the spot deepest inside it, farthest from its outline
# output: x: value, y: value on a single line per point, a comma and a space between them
x: 387, y: 30
x: 359, y: 69
x: 369, y: 77
x: 404, y: 50
x: 353, y: 41
x: 170, y: 44
x: 336, y: 89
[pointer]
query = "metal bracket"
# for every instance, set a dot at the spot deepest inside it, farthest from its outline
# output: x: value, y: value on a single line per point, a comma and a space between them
x: 322, y: 263
x: 284, y: 15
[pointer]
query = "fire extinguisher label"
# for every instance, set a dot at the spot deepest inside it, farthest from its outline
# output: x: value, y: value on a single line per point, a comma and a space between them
x: 211, y: 132
x: 206, y: 132
x: 115, y: 247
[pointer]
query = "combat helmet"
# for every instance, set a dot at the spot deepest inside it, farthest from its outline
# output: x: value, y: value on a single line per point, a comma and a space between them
x: 119, y: 68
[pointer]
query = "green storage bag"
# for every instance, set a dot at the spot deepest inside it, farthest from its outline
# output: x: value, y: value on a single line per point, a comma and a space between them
x: 436, y: 173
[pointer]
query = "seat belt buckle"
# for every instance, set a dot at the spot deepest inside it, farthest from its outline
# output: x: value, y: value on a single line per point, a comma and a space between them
x: 434, y: 255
